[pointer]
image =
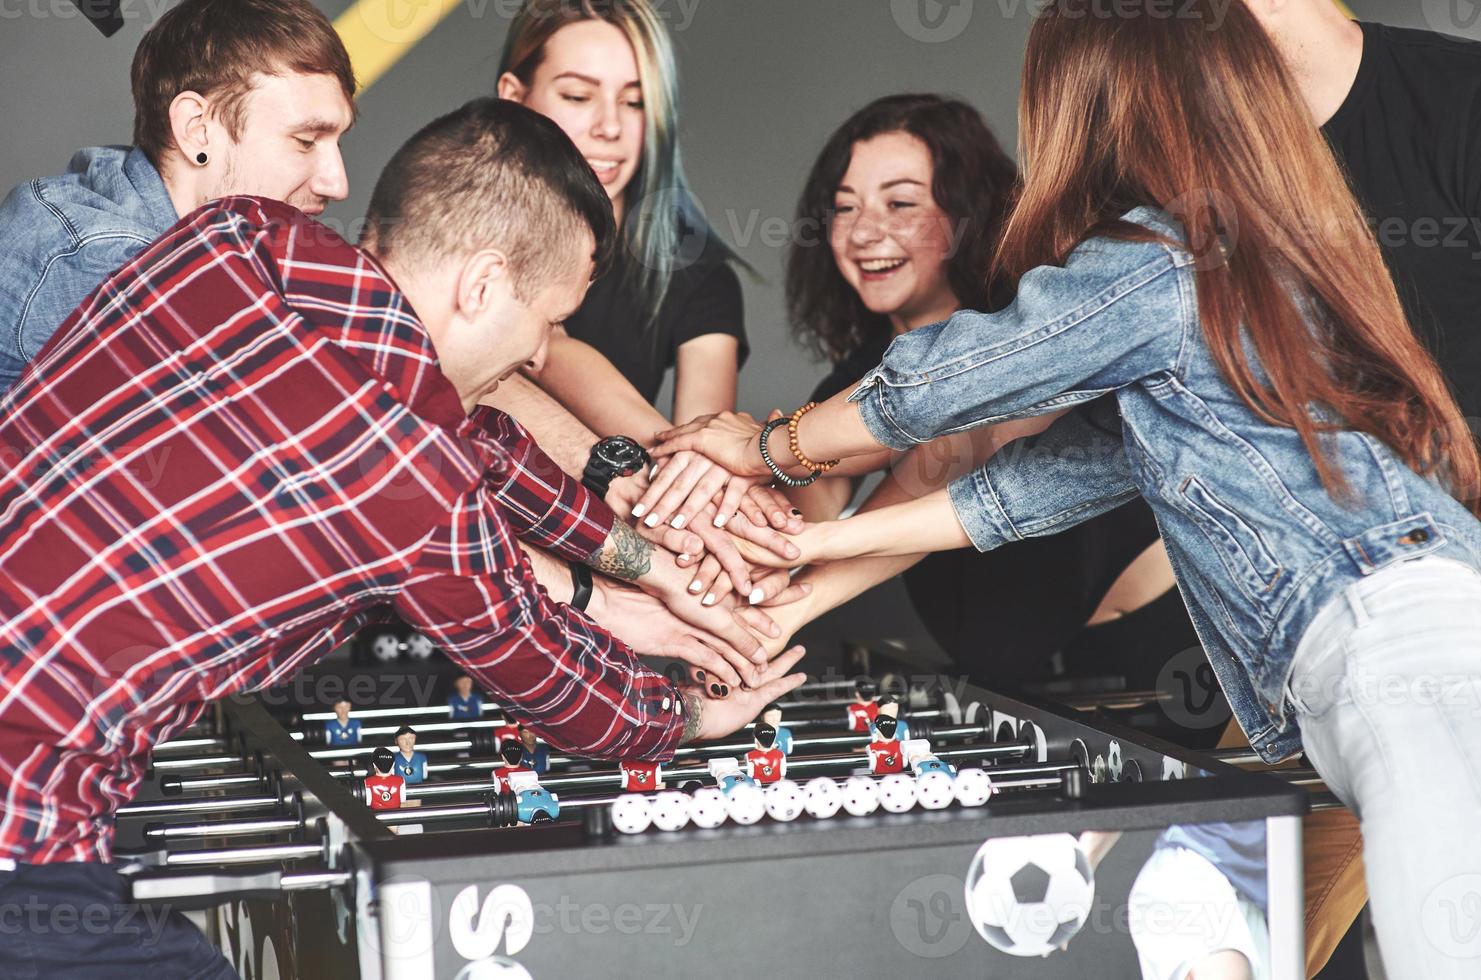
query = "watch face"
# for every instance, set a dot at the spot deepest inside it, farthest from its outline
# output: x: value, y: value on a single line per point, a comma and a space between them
x: 621, y: 454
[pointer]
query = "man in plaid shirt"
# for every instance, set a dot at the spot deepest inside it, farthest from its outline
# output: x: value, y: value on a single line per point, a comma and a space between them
x: 253, y: 438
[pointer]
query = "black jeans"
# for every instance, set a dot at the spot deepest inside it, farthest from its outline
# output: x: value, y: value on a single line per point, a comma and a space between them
x: 75, y: 921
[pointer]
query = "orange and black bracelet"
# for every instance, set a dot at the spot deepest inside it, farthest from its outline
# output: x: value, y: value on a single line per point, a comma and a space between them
x: 816, y: 468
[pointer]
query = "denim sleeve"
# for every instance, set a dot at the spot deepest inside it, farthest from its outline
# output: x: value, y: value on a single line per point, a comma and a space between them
x: 1072, y: 471
x: 64, y: 281
x: 1117, y: 312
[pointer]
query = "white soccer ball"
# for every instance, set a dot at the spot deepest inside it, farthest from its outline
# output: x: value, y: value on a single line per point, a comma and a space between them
x: 823, y: 797
x: 385, y: 648
x: 670, y: 810
x: 746, y: 803
x: 418, y: 647
x: 897, y: 792
x: 784, y: 800
x: 631, y: 813
x: 860, y: 796
x: 707, y: 807
x: 934, y: 790
x: 1028, y: 896
x: 973, y: 787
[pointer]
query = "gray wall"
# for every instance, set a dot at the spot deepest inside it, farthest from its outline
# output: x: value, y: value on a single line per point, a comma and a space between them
x: 764, y: 82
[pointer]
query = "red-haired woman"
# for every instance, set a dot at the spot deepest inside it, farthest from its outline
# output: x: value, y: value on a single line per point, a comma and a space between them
x: 1198, y: 286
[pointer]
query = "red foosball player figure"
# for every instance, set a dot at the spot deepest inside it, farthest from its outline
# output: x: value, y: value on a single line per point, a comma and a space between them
x: 513, y: 753
x: 385, y: 790
x: 885, y: 755
x: 641, y: 777
x: 864, y: 709
x: 510, y: 731
x: 766, y: 763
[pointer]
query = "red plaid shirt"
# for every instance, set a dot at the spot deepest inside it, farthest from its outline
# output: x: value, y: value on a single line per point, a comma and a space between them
x: 234, y: 454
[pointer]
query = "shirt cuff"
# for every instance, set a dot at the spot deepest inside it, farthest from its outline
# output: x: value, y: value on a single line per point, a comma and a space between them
x: 544, y: 505
x: 980, y: 511
x: 872, y: 397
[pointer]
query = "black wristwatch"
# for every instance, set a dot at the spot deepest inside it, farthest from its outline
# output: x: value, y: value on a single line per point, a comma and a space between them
x: 580, y: 586
x: 614, y: 456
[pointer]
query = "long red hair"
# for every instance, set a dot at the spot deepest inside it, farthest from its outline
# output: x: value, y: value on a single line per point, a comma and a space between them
x: 1191, y: 109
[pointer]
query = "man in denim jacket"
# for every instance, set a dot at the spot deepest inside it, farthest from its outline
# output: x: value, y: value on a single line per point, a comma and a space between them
x: 230, y: 97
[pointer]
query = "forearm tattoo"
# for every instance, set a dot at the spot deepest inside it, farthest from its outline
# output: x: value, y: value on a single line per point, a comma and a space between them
x: 624, y: 555
x: 693, y: 708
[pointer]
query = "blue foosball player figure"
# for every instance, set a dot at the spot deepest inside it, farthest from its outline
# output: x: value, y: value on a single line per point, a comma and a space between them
x: 342, y: 730
x: 411, y: 765
x: 465, y: 704
x: 772, y: 715
x: 536, y: 803
x: 727, y: 774
x: 919, y: 757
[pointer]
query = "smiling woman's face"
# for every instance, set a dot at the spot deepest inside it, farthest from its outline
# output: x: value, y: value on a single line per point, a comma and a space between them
x: 890, y: 239
x: 587, y: 82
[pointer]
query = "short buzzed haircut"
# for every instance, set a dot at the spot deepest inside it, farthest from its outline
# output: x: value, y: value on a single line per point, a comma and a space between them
x: 489, y: 174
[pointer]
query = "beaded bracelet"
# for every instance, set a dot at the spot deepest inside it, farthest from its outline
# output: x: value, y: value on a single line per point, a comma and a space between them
x: 796, y: 449
x: 776, y: 471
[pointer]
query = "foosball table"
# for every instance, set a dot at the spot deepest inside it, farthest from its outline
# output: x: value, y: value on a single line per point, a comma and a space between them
x: 871, y: 829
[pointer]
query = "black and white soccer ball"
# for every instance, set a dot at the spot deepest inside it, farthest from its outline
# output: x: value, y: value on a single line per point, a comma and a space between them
x: 631, y: 813
x: 746, y: 804
x: 670, y: 810
x: 707, y: 807
x: 934, y: 790
x: 418, y: 646
x: 384, y: 647
x: 784, y: 800
x: 860, y: 796
x: 823, y: 797
x: 897, y: 792
x: 972, y: 787
x: 1028, y: 896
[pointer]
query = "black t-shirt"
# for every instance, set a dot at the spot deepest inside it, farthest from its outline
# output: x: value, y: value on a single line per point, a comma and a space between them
x: 1409, y: 134
x: 1003, y: 614
x: 704, y: 297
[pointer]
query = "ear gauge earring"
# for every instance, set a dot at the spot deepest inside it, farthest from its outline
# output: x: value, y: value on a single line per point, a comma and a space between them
x: 200, y: 158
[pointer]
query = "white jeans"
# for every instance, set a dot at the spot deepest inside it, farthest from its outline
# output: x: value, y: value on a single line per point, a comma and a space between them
x: 1387, y: 688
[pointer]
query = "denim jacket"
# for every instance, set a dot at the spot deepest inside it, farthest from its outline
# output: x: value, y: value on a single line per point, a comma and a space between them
x: 1257, y: 544
x: 63, y: 235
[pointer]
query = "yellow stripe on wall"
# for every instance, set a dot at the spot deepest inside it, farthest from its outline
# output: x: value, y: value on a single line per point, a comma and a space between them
x: 378, y: 33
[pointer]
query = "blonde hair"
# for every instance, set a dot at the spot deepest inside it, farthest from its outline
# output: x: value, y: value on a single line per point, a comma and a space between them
x: 660, y: 209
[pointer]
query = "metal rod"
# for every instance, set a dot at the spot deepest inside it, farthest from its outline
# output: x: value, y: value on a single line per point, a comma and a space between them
x: 207, y: 762
x: 225, y: 828
x: 173, y: 785
x: 305, y: 880
x: 195, y: 743
x: 209, y: 804
x: 243, y: 855
x: 197, y: 762
x: 421, y: 711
